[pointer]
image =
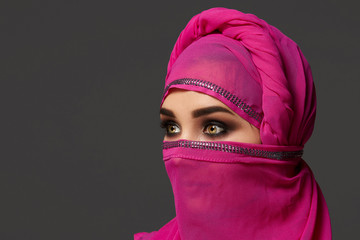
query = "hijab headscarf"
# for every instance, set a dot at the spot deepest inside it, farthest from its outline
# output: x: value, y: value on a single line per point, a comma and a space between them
x: 231, y: 190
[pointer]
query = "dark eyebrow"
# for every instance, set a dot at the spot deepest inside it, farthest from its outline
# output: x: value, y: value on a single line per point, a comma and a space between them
x: 208, y: 110
x: 167, y: 112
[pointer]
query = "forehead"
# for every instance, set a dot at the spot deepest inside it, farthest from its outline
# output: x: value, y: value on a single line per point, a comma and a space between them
x: 179, y: 99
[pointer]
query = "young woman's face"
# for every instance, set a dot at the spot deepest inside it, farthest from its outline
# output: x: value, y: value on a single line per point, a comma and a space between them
x: 196, y: 116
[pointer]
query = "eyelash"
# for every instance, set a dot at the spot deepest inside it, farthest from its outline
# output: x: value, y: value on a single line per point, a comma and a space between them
x: 208, y: 123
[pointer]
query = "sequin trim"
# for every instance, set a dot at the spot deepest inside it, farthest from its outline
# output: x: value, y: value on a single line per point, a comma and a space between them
x: 215, y: 146
x: 221, y: 91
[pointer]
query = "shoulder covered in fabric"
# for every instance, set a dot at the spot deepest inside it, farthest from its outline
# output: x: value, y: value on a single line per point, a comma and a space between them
x: 143, y: 235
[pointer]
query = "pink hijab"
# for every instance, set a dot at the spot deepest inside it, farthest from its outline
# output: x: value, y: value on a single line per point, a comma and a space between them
x: 230, y: 190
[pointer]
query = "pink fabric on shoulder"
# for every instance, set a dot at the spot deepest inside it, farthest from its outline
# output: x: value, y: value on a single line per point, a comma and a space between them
x: 231, y: 190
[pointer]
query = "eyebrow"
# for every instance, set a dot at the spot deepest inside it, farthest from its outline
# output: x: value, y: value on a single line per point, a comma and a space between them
x: 197, y: 113
x: 167, y: 112
x: 208, y: 110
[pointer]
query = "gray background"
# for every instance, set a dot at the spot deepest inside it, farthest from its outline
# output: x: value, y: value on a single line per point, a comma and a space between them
x: 81, y: 84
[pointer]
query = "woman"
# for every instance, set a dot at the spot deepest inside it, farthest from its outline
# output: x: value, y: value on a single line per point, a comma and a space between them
x: 239, y: 105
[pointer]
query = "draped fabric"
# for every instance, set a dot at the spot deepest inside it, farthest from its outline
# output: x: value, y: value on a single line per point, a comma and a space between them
x: 285, y: 75
x: 220, y: 67
x: 231, y: 190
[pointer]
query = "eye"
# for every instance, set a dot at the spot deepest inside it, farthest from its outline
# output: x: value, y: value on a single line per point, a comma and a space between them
x: 170, y: 127
x: 214, y: 129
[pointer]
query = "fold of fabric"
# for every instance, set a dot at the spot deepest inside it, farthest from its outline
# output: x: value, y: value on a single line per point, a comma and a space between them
x: 231, y: 190
x: 220, y: 67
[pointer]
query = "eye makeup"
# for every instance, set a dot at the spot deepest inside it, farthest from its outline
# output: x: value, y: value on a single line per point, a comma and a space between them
x: 210, y: 127
x: 214, y: 128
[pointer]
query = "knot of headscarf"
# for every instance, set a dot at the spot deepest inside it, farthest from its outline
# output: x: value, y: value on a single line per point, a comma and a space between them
x: 288, y: 93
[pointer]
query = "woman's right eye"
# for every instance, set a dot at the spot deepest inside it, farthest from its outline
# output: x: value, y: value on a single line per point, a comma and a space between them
x: 170, y: 128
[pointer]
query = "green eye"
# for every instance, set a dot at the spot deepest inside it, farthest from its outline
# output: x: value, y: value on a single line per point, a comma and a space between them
x: 213, y: 129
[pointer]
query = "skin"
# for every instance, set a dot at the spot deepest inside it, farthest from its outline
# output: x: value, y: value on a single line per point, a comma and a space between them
x: 196, y: 116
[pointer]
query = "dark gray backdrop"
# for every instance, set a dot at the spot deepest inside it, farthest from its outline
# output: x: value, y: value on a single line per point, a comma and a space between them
x: 81, y: 83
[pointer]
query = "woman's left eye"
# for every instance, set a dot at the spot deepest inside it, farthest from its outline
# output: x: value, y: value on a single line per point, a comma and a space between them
x: 213, y: 129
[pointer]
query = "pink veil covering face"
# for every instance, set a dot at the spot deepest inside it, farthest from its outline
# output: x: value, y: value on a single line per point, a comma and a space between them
x: 231, y: 190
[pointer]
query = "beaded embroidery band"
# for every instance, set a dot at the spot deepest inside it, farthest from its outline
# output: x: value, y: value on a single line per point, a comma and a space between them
x: 221, y: 91
x: 215, y: 146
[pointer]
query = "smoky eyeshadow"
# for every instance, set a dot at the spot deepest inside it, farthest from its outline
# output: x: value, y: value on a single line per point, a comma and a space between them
x: 226, y: 127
